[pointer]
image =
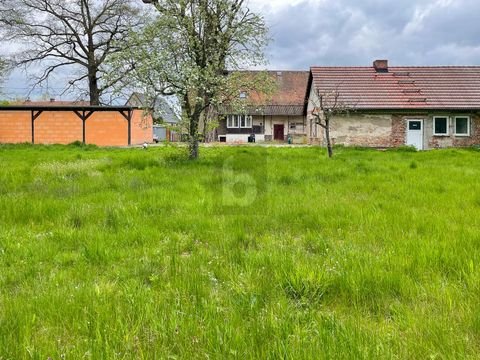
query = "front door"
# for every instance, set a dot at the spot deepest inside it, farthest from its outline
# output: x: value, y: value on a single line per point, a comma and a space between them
x: 415, y: 133
x: 278, y: 131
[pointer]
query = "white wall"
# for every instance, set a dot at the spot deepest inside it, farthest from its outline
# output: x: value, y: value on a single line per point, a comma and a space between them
x: 270, y: 121
x: 314, y: 131
x: 242, y: 138
x: 237, y: 138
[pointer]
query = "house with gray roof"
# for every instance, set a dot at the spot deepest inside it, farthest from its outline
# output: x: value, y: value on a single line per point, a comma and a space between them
x: 165, y: 121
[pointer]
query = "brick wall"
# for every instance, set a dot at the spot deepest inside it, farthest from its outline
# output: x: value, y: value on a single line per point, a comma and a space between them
x: 142, y: 127
x: 452, y: 140
x: 57, y: 127
x: 391, y: 131
x: 399, y: 131
x: 105, y: 128
x: 474, y: 138
x: 15, y: 127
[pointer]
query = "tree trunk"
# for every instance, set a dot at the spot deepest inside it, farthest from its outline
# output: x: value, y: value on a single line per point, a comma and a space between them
x: 93, y: 87
x: 193, y: 136
x: 327, y: 136
x: 193, y: 148
x: 205, y: 128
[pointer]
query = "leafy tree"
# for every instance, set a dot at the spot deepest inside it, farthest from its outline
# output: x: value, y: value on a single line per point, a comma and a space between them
x: 77, y: 34
x: 186, y: 50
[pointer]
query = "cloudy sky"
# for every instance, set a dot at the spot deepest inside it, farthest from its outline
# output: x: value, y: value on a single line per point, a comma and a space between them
x: 355, y: 32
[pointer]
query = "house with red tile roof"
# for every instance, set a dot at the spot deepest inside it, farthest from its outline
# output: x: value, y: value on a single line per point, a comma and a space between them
x: 280, y: 116
x: 425, y: 107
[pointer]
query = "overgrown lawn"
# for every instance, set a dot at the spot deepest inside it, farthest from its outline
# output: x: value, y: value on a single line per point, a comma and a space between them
x: 250, y: 253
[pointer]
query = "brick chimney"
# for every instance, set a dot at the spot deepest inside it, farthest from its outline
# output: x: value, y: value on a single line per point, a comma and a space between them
x: 381, y: 66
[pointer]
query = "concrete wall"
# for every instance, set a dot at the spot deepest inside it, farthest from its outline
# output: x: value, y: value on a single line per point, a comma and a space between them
x: 355, y: 130
x: 362, y: 130
x: 107, y: 128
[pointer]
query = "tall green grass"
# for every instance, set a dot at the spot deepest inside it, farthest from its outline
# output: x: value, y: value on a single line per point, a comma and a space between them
x: 131, y: 254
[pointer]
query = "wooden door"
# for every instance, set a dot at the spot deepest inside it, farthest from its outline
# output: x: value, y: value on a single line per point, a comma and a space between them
x: 278, y: 131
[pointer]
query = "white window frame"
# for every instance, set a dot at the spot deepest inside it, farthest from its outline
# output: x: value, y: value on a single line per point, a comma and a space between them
x: 235, y: 121
x: 248, y: 121
x: 231, y: 120
x: 468, y: 125
x: 448, y: 125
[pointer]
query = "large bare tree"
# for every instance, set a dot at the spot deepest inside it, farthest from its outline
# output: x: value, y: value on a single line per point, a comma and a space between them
x: 188, y: 49
x: 76, y: 34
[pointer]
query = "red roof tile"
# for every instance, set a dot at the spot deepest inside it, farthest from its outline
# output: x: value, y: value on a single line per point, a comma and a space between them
x: 403, y: 87
x: 291, y: 89
x: 54, y: 103
x: 288, y: 98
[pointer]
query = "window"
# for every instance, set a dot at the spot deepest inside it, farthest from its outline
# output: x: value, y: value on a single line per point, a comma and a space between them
x: 232, y: 121
x: 414, y: 125
x: 440, y: 125
x: 245, y: 121
x: 236, y: 121
x: 462, y: 126
x: 297, y: 126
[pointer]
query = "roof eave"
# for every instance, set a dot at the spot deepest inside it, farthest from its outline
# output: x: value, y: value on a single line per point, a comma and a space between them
x: 415, y: 109
x: 65, y: 108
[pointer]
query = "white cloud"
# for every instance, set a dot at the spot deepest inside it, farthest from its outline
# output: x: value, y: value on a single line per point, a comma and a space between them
x: 352, y: 32
x: 275, y: 5
x: 422, y: 13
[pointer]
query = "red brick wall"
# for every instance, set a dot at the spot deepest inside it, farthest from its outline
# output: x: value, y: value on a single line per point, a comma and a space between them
x: 142, y: 128
x: 15, y: 127
x: 473, y: 139
x: 399, y: 131
x: 58, y: 127
x: 109, y: 128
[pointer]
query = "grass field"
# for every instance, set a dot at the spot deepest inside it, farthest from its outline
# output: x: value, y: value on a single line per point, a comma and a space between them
x: 250, y: 253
